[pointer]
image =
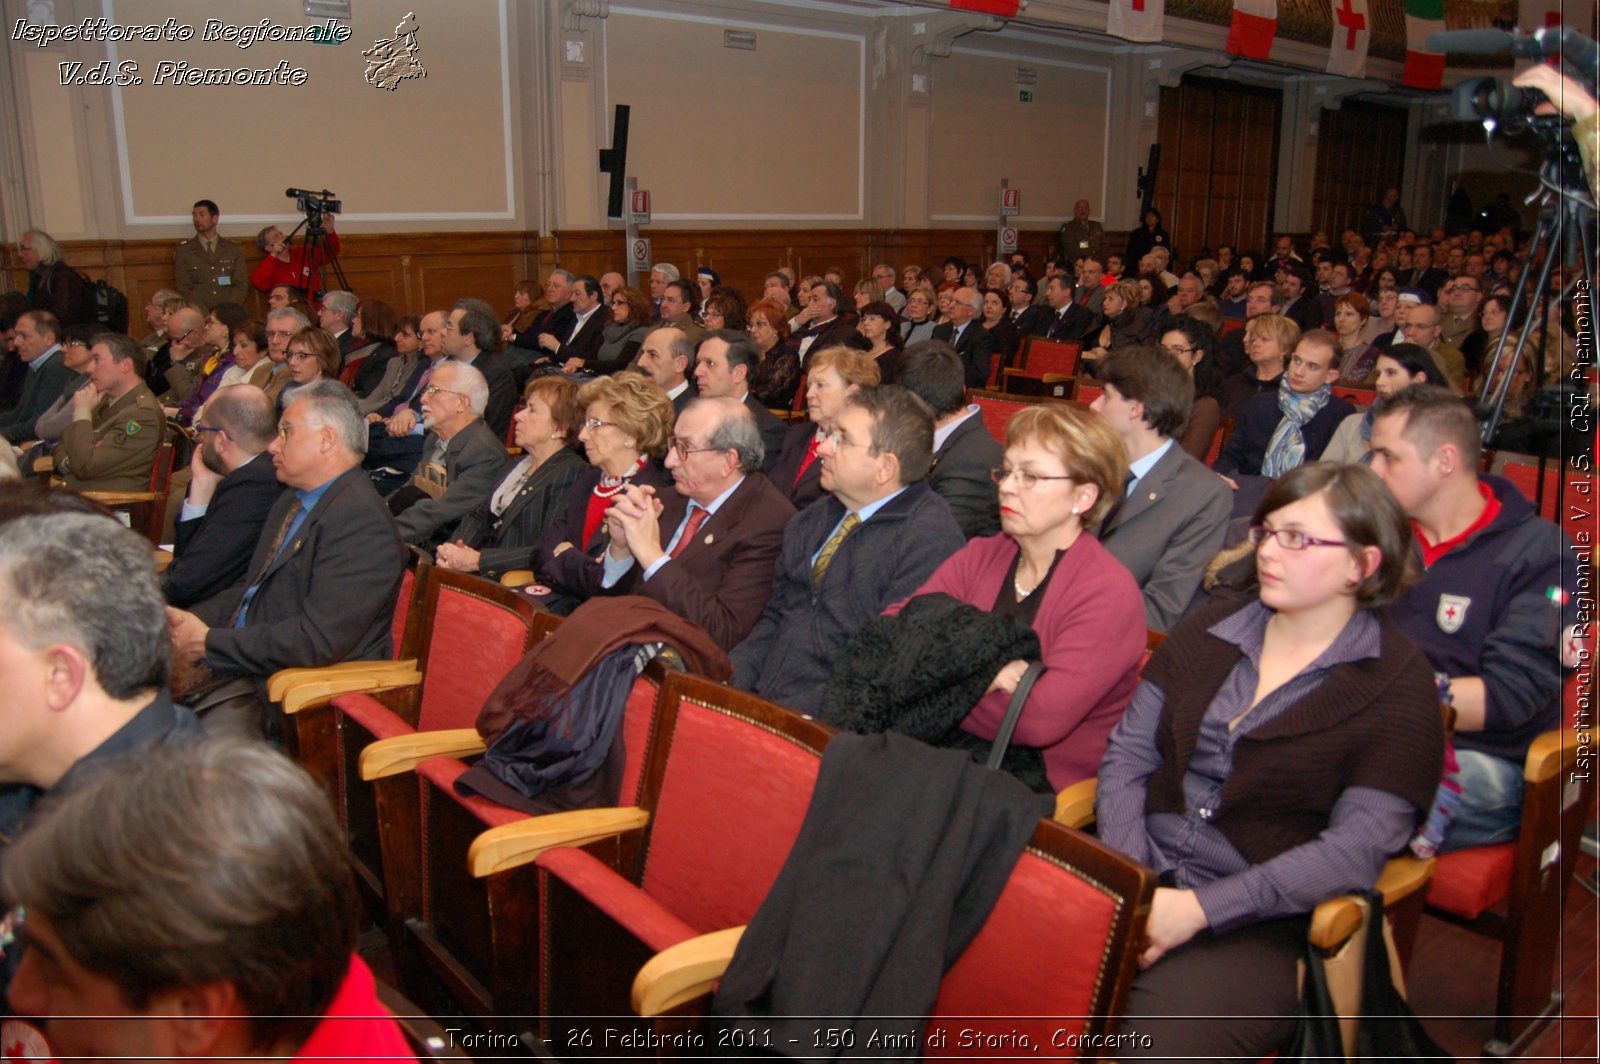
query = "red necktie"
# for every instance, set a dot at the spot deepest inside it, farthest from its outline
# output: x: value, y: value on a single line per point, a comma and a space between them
x: 697, y: 517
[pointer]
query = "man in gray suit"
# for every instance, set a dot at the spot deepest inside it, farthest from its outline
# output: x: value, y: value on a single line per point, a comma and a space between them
x: 1174, y: 511
x: 462, y: 459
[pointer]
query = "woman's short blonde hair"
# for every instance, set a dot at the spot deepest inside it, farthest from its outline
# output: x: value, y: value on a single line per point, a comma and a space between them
x: 638, y: 405
x: 854, y: 367
x: 1129, y: 291
x: 1089, y: 450
x: 1275, y: 327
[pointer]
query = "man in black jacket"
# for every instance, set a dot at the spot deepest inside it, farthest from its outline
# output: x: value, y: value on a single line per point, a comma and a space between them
x: 36, y: 342
x: 873, y: 540
x: 969, y: 338
x: 231, y: 490
x: 963, y: 451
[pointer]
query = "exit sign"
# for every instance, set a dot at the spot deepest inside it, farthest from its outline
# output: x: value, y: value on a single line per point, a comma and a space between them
x: 1024, y: 95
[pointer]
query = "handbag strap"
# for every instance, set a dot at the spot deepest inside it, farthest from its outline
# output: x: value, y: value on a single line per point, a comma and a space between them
x: 1002, y: 738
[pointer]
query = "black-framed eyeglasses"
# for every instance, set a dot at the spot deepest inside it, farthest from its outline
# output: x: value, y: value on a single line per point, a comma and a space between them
x: 683, y: 450
x: 1025, y: 480
x: 1290, y: 538
x: 1178, y: 349
x: 210, y: 428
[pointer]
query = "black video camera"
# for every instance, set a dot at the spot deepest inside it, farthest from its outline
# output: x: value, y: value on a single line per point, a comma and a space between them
x: 314, y: 204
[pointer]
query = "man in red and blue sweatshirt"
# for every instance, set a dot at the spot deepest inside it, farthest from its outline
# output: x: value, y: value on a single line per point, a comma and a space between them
x: 1488, y: 610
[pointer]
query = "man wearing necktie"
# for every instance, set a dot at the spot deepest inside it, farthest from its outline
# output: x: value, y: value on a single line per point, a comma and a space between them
x: 708, y: 554
x: 321, y: 585
x: 877, y: 535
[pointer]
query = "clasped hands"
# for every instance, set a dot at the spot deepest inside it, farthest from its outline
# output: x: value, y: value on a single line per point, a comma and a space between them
x: 634, y: 525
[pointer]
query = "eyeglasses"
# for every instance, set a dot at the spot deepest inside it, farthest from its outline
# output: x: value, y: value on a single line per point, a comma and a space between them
x: 213, y: 428
x: 1026, y: 480
x: 285, y: 428
x: 298, y: 356
x: 619, y: 302
x: 594, y: 424
x: 1177, y: 349
x: 1290, y: 538
x: 683, y: 450
x: 837, y: 439
x: 433, y: 389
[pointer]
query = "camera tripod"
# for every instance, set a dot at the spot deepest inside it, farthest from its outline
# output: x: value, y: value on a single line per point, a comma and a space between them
x: 316, y: 245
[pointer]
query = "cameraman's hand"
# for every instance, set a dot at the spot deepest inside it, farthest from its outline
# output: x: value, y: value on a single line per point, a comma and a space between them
x: 1564, y: 93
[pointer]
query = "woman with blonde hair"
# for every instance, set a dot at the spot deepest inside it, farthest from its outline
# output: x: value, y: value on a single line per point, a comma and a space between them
x: 625, y: 431
x: 1063, y: 470
x: 832, y: 375
x: 1127, y: 323
x: 1268, y: 340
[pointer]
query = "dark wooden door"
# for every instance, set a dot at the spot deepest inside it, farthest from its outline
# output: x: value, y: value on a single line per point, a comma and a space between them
x: 1219, y: 164
x: 1361, y: 150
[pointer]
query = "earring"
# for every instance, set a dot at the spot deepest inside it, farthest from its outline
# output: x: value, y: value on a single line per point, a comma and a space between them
x: 1074, y: 511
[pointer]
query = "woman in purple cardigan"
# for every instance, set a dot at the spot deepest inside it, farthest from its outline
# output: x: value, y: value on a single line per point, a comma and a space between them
x: 1064, y: 470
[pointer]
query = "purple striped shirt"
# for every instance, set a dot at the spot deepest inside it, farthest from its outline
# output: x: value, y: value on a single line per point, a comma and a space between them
x: 1365, y: 827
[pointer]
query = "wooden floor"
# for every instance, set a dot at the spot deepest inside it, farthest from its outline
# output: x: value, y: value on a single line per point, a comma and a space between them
x: 1451, y: 983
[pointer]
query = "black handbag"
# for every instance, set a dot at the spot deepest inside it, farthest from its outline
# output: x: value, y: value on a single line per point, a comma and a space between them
x: 1388, y: 1029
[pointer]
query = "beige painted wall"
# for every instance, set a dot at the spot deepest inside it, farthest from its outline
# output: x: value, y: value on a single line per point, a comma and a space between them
x: 1052, y: 149
x: 434, y: 148
x: 55, y: 145
x: 711, y: 137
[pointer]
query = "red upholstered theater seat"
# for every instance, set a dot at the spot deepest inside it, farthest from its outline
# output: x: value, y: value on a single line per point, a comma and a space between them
x: 1468, y: 883
x: 469, y: 940
x: 997, y: 409
x: 727, y: 787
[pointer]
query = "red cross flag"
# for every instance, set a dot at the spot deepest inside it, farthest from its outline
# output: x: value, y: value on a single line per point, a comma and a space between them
x: 1136, y: 20
x: 1352, y: 28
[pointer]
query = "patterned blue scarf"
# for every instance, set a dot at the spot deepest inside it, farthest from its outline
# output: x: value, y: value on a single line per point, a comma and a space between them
x: 1287, y: 449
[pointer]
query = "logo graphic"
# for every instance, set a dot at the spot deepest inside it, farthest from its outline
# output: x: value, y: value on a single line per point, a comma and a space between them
x: 393, y: 61
x: 1452, y: 613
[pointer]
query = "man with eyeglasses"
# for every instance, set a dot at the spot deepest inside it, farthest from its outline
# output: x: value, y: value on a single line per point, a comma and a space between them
x: 1173, y: 513
x: 1488, y: 610
x: 884, y: 274
x: 535, y: 344
x: 232, y: 487
x: 1423, y: 329
x: 873, y: 539
x: 321, y: 584
x: 1460, y: 302
x: 462, y: 460
x: 706, y: 555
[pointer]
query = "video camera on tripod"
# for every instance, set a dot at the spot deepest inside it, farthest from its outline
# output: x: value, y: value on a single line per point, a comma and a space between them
x: 1566, y: 219
x: 316, y: 206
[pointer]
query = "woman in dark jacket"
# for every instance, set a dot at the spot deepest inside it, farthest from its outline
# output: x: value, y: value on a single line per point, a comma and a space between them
x: 1273, y: 757
x: 52, y: 284
x: 534, y: 490
x: 625, y: 432
x: 1150, y: 235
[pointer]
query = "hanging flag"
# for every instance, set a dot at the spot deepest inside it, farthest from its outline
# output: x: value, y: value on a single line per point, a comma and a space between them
x: 1423, y: 69
x: 1347, y: 54
x: 1255, y: 23
x: 1003, y: 8
x: 1136, y: 20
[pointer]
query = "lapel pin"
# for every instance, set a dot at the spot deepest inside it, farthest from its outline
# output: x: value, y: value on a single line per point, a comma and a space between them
x: 710, y: 538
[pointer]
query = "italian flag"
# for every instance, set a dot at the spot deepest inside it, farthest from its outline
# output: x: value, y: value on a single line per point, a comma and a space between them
x: 1424, y: 69
x: 1136, y: 20
x: 1254, y: 25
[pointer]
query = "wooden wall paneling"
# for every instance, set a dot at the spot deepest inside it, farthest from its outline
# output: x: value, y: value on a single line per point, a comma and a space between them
x: 1360, y: 150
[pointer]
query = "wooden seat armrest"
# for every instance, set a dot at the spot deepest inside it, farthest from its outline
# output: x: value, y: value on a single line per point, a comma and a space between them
x: 515, y: 844
x: 1075, y: 805
x: 402, y: 753
x: 1335, y: 920
x: 44, y: 464
x: 682, y: 973
x: 1546, y: 754
x: 312, y: 693
x: 517, y: 578
x: 1018, y: 371
x: 278, y: 683
x: 163, y: 559
x: 120, y: 498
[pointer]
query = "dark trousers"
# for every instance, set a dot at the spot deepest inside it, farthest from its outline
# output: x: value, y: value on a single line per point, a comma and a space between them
x: 1229, y: 996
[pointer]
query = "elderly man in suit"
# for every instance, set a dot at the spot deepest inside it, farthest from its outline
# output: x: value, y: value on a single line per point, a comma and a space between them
x: 1174, y: 511
x: 963, y: 451
x: 967, y: 337
x: 321, y: 584
x: 461, y: 459
x: 232, y: 487
x: 708, y: 555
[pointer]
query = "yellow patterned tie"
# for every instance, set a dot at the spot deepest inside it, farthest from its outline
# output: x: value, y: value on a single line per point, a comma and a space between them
x: 825, y: 558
